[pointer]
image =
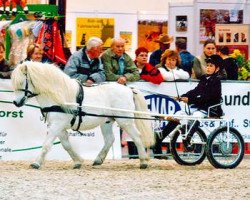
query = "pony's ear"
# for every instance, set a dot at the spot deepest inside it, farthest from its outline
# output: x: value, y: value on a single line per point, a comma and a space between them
x: 23, y: 68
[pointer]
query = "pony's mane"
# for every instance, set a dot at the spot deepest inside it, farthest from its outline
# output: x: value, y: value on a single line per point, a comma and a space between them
x: 47, y: 79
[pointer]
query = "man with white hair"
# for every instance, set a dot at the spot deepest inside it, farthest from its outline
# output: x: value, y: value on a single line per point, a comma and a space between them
x: 85, y: 64
x: 118, y: 65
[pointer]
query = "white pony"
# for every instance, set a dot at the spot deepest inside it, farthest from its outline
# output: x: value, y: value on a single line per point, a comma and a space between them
x: 54, y: 88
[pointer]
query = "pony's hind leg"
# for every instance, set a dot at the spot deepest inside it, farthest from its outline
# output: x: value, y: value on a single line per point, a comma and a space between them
x: 109, y: 139
x: 133, y: 132
x: 64, y: 138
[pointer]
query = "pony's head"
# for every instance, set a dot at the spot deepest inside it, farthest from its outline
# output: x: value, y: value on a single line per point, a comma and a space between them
x: 30, y: 79
x: 22, y: 85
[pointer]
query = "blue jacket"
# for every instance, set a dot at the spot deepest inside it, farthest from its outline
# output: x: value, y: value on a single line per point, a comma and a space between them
x: 155, y: 57
x: 80, y: 67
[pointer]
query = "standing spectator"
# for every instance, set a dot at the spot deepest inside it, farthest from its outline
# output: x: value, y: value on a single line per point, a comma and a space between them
x: 164, y: 41
x: 186, y: 57
x: 35, y: 53
x: 169, y: 69
x: 199, y: 66
x: 118, y: 65
x: 5, y: 69
x: 230, y: 64
x: 147, y: 71
x: 85, y: 64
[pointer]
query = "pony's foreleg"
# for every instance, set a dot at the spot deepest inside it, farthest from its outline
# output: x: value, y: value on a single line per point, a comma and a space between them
x: 135, y: 136
x: 109, y: 139
x: 56, y: 128
x: 46, y: 147
x: 64, y: 138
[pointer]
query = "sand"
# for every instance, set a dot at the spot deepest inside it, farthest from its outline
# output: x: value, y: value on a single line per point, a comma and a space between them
x: 122, y: 179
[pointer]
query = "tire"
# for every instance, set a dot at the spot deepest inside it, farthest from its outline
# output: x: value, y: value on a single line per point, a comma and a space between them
x: 189, y: 156
x: 222, y: 154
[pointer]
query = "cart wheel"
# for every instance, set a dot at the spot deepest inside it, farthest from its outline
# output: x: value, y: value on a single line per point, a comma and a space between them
x: 225, y: 149
x: 190, y: 152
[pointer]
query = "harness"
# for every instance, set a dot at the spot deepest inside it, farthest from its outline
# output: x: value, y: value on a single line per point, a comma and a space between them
x: 75, y: 113
x: 80, y: 113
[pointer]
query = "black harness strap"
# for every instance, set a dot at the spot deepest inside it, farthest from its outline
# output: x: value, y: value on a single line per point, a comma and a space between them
x: 82, y: 113
x: 79, y: 100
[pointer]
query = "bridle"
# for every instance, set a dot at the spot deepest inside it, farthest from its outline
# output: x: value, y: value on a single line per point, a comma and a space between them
x: 27, y: 93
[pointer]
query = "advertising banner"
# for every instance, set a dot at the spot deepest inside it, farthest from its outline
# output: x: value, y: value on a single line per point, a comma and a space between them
x: 236, y: 102
x: 23, y: 131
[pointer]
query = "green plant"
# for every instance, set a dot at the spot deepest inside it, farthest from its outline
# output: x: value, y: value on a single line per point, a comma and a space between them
x: 244, y: 65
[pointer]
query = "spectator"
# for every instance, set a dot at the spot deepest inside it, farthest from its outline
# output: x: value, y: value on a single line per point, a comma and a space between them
x: 35, y: 53
x: 199, y: 66
x: 164, y: 41
x: 85, y: 64
x: 147, y: 71
x: 118, y: 65
x: 5, y: 69
x: 230, y: 64
x: 207, y: 93
x: 169, y: 69
x: 186, y: 57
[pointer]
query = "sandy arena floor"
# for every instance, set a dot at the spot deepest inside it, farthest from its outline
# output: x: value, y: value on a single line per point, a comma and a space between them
x: 122, y: 179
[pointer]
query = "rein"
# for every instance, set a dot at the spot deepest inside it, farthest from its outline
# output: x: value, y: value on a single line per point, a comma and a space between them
x: 82, y: 113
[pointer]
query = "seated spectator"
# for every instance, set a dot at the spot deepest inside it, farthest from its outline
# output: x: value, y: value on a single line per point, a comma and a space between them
x: 5, y: 69
x: 85, y: 64
x: 230, y: 64
x: 164, y: 41
x: 169, y: 69
x: 147, y: 71
x: 186, y: 57
x: 35, y: 53
x: 118, y: 65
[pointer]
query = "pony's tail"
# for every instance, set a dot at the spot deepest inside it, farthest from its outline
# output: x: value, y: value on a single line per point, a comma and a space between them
x: 144, y: 126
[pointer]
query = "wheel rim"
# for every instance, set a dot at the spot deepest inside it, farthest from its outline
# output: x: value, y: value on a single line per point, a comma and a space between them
x: 226, y: 148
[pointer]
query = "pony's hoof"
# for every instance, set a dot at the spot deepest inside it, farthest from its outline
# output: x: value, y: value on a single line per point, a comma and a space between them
x: 77, y: 166
x: 143, y: 166
x: 35, y: 166
x: 96, y: 162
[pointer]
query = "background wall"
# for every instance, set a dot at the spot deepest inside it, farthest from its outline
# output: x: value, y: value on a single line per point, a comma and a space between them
x: 127, y: 13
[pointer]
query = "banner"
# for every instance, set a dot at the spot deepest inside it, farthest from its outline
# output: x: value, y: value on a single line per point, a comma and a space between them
x: 236, y: 102
x: 23, y: 131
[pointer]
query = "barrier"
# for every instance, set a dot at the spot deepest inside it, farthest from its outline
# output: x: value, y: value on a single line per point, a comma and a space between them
x: 22, y: 131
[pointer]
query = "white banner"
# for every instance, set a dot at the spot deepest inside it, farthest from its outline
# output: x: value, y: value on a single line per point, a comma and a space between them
x: 22, y: 131
x: 236, y: 102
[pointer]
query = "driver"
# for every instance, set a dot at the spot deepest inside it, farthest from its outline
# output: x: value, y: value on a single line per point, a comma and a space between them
x: 206, y: 94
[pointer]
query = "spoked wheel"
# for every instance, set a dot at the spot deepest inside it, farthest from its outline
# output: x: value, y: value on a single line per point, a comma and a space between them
x: 225, y: 149
x: 189, y: 152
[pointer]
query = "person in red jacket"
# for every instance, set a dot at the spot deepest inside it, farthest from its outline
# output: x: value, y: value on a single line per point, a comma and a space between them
x: 147, y: 71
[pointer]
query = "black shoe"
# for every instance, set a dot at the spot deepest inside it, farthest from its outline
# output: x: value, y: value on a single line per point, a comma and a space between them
x: 161, y: 157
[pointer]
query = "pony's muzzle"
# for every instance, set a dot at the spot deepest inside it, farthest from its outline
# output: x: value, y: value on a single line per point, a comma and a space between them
x: 20, y: 103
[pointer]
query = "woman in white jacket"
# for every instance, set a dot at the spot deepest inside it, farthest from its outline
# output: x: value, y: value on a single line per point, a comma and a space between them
x: 170, y: 60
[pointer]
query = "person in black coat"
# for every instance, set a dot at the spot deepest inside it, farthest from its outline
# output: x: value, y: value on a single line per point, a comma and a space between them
x: 206, y: 94
x: 230, y: 64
